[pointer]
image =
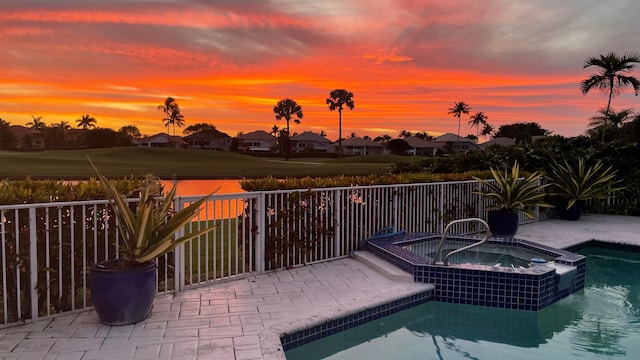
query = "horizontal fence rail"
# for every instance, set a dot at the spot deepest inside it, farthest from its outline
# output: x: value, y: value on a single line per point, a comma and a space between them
x: 46, y: 250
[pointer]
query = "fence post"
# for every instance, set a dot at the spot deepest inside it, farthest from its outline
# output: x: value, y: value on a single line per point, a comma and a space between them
x: 395, y: 193
x: 178, y: 253
x: 337, y: 201
x: 33, y: 262
x: 261, y: 213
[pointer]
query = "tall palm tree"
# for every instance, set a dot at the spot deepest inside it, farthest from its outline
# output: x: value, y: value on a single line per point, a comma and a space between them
x: 337, y: 99
x: 64, y: 125
x: 37, y: 123
x: 172, y: 114
x: 175, y: 118
x: 86, y: 122
x: 288, y: 109
x: 457, y: 110
x: 477, y: 119
x: 487, y: 130
x: 612, y: 75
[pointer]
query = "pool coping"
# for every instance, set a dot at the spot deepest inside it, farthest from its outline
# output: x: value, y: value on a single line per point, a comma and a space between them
x: 271, y: 338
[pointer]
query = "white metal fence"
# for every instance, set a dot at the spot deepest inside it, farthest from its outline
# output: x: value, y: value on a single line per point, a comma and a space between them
x: 46, y: 250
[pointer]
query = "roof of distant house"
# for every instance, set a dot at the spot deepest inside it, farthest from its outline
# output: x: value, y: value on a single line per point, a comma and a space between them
x: 208, y: 134
x: 310, y: 136
x: 505, y: 141
x: 19, y: 130
x: 499, y: 141
x: 416, y: 142
x: 172, y: 138
x: 257, y: 135
x: 358, y: 141
x: 449, y: 137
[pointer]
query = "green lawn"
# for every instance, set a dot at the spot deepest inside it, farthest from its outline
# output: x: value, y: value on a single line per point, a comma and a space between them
x: 182, y: 163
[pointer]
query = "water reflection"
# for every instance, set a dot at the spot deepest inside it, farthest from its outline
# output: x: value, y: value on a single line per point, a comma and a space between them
x: 203, y: 187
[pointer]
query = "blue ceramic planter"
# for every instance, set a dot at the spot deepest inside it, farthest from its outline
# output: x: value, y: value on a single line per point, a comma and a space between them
x: 123, y: 296
x: 502, y: 223
x: 572, y: 213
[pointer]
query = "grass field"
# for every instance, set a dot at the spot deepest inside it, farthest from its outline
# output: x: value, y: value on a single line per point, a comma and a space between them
x: 181, y: 163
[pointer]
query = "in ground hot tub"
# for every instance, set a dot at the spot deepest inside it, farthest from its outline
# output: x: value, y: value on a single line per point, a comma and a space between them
x: 503, y: 272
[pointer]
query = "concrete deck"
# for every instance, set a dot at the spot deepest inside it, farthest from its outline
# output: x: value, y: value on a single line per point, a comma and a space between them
x: 243, y: 319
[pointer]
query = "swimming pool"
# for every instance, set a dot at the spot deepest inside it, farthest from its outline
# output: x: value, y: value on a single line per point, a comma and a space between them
x: 600, y: 322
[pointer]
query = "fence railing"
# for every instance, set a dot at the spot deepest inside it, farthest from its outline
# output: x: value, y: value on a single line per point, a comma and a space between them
x: 46, y: 250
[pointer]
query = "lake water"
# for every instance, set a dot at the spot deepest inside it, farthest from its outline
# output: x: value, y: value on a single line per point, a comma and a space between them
x: 204, y: 187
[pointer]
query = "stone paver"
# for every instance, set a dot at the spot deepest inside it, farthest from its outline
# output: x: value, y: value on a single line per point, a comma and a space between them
x: 243, y: 319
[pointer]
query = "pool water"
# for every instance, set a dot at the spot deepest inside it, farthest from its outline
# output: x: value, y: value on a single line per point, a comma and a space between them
x: 490, y: 259
x: 601, y: 322
x: 486, y: 254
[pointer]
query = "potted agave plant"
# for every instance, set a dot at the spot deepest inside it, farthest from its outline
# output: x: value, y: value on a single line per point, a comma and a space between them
x: 510, y: 195
x: 575, y: 184
x: 123, y: 289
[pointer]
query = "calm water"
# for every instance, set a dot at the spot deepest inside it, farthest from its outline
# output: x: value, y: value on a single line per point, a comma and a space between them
x: 602, y: 322
x: 203, y: 187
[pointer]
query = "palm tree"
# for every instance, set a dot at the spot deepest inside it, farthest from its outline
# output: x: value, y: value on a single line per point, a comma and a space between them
x: 487, y: 130
x: 423, y: 135
x: 86, y: 122
x: 457, y: 110
x: 612, y: 76
x: 338, y: 98
x: 610, y: 119
x: 405, y: 134
x: 172, y: 111
x: 287, y: 109
x: 477, y: 119
x: 383, y: 138
x: 37, y: 123
x: 274, y: 130
x: 64, y: 125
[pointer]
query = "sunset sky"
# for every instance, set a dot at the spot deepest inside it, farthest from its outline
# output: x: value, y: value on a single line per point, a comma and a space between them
x: 228, y: 62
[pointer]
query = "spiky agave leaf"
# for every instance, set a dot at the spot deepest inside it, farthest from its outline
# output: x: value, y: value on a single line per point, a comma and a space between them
x: 149, y: 231
x: 584, y: 182
x: 508, y: 192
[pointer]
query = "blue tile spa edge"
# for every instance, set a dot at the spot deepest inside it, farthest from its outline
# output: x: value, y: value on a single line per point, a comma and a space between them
x: 533, y: 288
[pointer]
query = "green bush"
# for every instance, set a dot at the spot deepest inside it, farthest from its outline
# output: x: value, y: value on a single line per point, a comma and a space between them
x: 270, y: 183
x: 30, y: 191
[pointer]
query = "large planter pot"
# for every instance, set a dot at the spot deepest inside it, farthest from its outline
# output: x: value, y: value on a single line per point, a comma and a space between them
x: 502, y: 223
x: 572, y: 213
x: 123, y: 296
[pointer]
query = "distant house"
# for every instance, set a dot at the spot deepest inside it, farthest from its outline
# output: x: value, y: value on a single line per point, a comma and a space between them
x: 418, y: 146
x: 27, y: 138
x: 453, y: 144
x: 256, y: 141
x: 162, y: 140
x: 310, y: 142
x: 209, y: 140
x: 505, y: 141
x: 359, y: 146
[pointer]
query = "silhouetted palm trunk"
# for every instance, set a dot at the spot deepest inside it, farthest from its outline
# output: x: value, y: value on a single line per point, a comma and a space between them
x: 606, y: 116
x: 339, y: 132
